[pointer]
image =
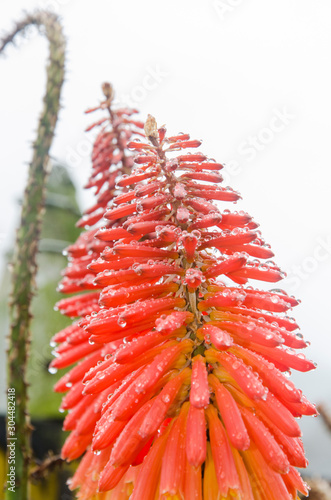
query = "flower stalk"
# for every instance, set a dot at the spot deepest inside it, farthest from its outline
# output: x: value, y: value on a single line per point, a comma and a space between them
x: 24, y: 267
x: 181, y: 362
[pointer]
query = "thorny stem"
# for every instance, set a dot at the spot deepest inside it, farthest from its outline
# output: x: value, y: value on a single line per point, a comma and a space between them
x: 191, y: 297
x: 24, y: 263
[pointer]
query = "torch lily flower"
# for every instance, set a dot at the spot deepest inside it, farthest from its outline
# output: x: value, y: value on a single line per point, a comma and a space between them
x: 180, y: 390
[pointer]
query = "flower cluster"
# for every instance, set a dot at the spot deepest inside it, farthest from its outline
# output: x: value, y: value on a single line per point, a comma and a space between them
x: 181, y: 389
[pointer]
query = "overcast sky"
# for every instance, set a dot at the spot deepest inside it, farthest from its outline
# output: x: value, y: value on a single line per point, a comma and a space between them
x: 251, y: 78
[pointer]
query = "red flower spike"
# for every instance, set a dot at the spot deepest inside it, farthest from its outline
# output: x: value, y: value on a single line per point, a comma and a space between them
x: 230, y: 414
x: 199, y: 157
x: 279, y: 415
x: 137, y: 146
x: 88, y: 420
x: 166, y: 235
x: 73, y: 354
x: 251, y: 332
x: 153, y: 202
x: 202, y: 176
x: 162, y: 132
x: 271, y: 377
x: 74, y: 446
x: 72, y: 306
x: 184, y: 144
x: 145, y: 159
x: 302, y: 408
x: 138, y: 345
x: 192, y: 482
x: 173, y: 462
x: 267, y: 483
x: 142, y: 251
x: 287, y: 358
x: 183, y: 215
x: 107, y: 435
x: 199, y: 395
x: 198, y: 167
x: 245, y: 485
x: 123, y: 198
x: 227, y: 266
x: 228, y: 240
x: 111, y: 476
x: 294, y: 479
x: 225, y: 468
x: 266, y: 443
x: 179, y: 137
x: 214, y: 194
x: 105, y: 426
x: 179, y: 191
x: 166, y: 332
x: 77, y: 373
x: 212, y: 219
x: 111, y: 234
x: 201, y: 206
x: 259, y: 273
x: 102, y: 335
x: 71, y: 420
x: 90, y: 110
x: 222, y: 300
x: 113, y: 297
x: 148, y: 478
x: 190, y: 242
x: 129, y: 442
x: 292, y: 447
x: 150, y: 188
x: 210, y: 486
x: 193, y: 279
x: 137, y: 275
x: 219, y: 338
x: 169, y: 358
x: 116, y: 372
x: 169, y: 324
x: 196, y: 440
x: 122, y: 210
x: 141, y: 311
x: 81, y: 471
x: 145, y: 227
x: 257, y: 314
x: 147, y: 216
x: 245, y: 378
x: 63, y: 334
x: 163, y: 402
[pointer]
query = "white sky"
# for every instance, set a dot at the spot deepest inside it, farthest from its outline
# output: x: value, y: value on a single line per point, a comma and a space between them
x: 251, y: 78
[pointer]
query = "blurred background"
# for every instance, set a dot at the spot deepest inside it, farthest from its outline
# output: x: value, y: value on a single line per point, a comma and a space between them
x: 250, y: 78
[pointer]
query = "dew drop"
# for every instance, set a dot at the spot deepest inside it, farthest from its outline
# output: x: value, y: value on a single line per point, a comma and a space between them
x: 265, y: 395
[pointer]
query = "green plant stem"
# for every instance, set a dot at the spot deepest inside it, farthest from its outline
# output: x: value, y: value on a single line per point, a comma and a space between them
x: 24, y: 267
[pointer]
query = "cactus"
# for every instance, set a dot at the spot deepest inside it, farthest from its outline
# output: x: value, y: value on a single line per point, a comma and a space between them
x: 24, y: 267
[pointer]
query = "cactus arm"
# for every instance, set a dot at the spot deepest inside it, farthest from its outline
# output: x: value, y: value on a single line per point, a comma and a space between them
x: 24, y: 267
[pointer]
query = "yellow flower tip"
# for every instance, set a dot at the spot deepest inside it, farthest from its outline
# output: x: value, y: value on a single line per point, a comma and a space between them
x: 199, y: 334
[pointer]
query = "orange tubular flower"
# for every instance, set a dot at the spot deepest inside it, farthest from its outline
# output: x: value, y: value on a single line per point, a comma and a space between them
x: 180, y: 391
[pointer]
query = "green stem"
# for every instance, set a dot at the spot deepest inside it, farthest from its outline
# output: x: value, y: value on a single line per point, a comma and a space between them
x: 24, y: 264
